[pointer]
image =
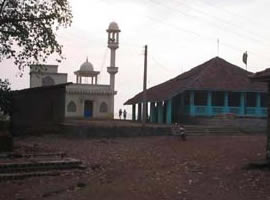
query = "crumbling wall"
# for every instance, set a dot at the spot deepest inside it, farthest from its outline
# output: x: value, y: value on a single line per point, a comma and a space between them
x: 36, y: 107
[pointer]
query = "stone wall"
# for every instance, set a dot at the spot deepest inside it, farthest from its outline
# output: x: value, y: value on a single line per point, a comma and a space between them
x: 111, y: 132
x: 93, y: 131
x: 38, y: 106
x: 6, y: 141
x: 245, y: 124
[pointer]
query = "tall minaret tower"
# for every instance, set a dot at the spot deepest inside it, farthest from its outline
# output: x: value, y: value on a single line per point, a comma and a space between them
x: 113, y: 44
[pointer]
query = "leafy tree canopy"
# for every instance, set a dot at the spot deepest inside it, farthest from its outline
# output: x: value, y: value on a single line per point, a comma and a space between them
x: 28, y: 29
x: 5, y: 96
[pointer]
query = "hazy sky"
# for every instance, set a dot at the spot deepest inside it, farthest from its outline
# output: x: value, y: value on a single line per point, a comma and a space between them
x: 180, y: 34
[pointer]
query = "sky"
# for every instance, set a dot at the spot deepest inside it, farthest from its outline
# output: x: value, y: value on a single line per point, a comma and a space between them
x: 180, y: 35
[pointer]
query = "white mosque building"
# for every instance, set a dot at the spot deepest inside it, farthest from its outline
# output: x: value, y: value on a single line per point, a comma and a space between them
x: 85, y: 98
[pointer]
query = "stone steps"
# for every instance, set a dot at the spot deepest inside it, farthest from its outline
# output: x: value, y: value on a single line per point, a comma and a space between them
x: 211, y: 130
x: 19, y: 176
x: 28, y: 155
x: 20, y: 170
x: 66, y: 163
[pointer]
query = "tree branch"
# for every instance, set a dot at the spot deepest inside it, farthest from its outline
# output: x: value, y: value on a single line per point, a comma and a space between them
x: 2, y: 6
x: 12, y: 33
x: 30, y: 19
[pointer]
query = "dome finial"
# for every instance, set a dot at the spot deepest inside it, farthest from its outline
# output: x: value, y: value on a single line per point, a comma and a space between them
x: 87, y: 59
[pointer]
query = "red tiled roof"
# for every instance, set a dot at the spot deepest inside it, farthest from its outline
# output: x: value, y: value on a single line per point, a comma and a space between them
x: 263, y: 76
x: 215, y: 74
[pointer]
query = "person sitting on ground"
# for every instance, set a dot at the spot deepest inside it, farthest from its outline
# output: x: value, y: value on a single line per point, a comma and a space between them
x: 182, y: 132
x: 174, y: 129
x: 179, y: 130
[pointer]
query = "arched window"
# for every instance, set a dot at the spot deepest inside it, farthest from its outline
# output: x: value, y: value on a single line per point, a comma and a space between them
x: 47, y: 81
x: 71, y: 107
x: 103, y: 107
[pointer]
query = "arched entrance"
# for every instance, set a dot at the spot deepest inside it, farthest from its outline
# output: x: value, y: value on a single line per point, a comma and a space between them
x: 88, y: 108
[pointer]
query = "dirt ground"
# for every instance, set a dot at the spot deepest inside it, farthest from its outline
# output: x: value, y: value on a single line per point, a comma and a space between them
x: 201, y: 168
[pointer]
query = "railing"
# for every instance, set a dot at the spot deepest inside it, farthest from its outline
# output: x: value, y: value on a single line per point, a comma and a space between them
x: 89, y: 86
x: 235, y: 110
x: 251, y: 111
x: 264, y: 111
x: 89, y: 89
x: 201, y: 110
x: 216, y: 110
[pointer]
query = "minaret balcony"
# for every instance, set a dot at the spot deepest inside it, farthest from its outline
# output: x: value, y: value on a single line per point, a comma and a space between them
x: 113, y: 45
x: 112, y: 70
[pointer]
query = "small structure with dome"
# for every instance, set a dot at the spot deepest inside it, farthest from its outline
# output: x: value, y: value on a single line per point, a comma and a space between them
x: 86, y: 98
x: 87, y: 71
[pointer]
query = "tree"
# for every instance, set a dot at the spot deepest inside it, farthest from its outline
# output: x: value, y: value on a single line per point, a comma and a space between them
x: 5, y: 97
x: 28, y: 29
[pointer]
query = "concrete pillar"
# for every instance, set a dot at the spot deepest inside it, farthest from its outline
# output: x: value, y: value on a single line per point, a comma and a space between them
x: 133, y: 112
x: 209, y: 103
x: 147, y: 113
x: 139, y: 118
x: 258, y: 104
x: 191, y: 102
x: 160, y: 112
x: 242, y: 103
x: 156, y: 113
x: 152, y: 112
x: 181, y: 111
x: 169, y: 112
x: 226, y: 102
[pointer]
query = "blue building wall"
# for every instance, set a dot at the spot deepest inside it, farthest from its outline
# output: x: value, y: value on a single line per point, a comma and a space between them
x: 210, y: 110
x: 162, y: 112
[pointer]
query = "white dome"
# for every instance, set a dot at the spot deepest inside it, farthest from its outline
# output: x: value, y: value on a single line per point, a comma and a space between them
x: 113, y: 27
x: 86, y: 66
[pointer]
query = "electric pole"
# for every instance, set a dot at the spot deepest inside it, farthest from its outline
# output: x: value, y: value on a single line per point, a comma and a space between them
x: 145, y: 86
x: 218, y: 47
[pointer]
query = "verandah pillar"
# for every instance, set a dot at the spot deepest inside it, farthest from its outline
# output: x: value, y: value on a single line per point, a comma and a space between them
x: 182, y: 107
x: 169, y: 112
x: 139, y: 112
x: 133, y: 112
x: 152, y: 112
x: 191, y: 102
x: 226, y: 102
x: 160, y: 112
x: 156, y: 114
x: 182, y: 102
x: 209, y: 103
x: 258, y: 104
x: 242, y: 104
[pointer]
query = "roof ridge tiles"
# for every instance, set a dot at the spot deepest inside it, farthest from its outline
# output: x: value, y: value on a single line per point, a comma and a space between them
x: 215, y: 73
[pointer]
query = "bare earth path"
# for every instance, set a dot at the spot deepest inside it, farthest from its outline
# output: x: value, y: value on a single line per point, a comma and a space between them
x: 202, y: 168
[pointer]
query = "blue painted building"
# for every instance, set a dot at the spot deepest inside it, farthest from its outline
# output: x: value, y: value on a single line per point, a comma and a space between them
x: 215, y: 87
